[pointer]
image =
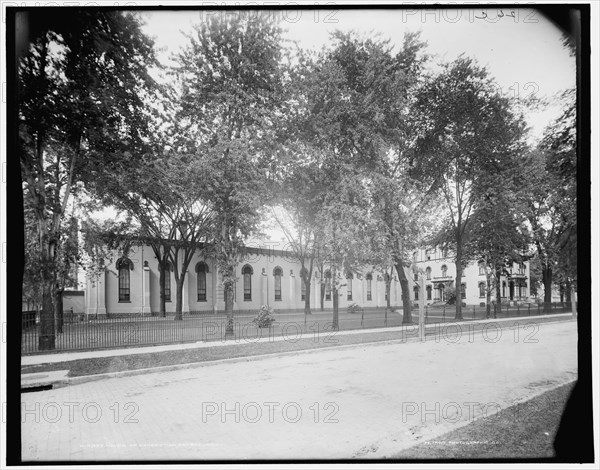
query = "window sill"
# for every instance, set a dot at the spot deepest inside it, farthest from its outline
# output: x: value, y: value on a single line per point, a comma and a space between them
x: 124, y: 301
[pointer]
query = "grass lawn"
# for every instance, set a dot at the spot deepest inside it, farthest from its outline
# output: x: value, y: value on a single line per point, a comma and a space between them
x: 523, y: 431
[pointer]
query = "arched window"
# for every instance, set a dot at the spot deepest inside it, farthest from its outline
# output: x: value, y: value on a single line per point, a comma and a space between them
x: 428, y: 289
x: 482, y: 289
x: 416, y: 291
x: 167, y: 281
x: 247, y: 272
x: 124, y: 265
x: 349, y: 278
x: 369, y: 291
x: 428, y: 273
x: 444, y: 270
x: 277, y: 274
x: 463, y: 291
x: 201, y: 269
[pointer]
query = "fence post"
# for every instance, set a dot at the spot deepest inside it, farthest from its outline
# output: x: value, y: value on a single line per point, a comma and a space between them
x: 362, y: 317
x: 385, y: 318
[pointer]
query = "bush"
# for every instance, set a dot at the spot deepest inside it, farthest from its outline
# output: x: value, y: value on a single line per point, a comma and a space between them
x: 450, y: 295
x: 353, y: 308
x: 264, y: 318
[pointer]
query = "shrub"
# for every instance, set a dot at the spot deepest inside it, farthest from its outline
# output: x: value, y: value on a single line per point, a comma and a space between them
x: 353, y: 308
x: 450, y: 295
x: 264, y: 318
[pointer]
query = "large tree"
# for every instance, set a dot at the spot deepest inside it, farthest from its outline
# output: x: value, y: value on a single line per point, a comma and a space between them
x: 81, y: 90
x: 230, y: 78
x: 355, y: 97
x: 552, y: 209
x: 466, y: 135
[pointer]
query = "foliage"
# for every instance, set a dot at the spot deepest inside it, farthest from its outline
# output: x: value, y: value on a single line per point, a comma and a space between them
x: 264, y: 317
x: 353, y: 308
x: 552, y: 204
x: 450, y: 293
x: 81, y: 90
x: 467, y: 135
x: 229, y: 99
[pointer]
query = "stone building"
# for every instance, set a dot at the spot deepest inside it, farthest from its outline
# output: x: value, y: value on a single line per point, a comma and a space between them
x: 268, y: 276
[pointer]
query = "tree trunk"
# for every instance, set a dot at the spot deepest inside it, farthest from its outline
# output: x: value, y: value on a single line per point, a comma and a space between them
x: 498, y: 292
x: 179, y: 298
x: 322, y: 296
x: 561, y: 290
x: 229, y: 308
x: 58, y: 308
x: 47, y: 336
x: 488, y: 294
x: 406, y: 307
x: 547, y: 280
x: 388, y: 283
x: 307, y: 299
x: 568, y: 293
x: 458, y: 285
x: 161, y: 283
x: 336, y: 320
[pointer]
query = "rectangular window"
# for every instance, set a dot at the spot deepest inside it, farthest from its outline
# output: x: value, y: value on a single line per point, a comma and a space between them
x: 202, y: 286
x: 167, y: 284
x: 124, y: 284
x: 428, y: 292
x: 247, y: 287
x: 277, y: 287
x: 349, y: 288
x: 463, y: 291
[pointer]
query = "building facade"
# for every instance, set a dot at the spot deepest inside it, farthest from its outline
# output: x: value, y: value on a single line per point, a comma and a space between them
x: 439, y: 271
x: 130, y: 284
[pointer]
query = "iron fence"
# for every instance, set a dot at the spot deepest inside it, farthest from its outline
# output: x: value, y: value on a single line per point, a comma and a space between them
x: 79, y: 332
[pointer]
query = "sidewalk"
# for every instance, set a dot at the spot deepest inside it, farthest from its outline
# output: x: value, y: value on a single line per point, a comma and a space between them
x: 71, y: 356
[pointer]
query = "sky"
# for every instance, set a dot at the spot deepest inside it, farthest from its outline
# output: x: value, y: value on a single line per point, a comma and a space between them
x: 520, y: 47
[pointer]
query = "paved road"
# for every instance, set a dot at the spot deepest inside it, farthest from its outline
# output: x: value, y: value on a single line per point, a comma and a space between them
x: 360, y: 401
